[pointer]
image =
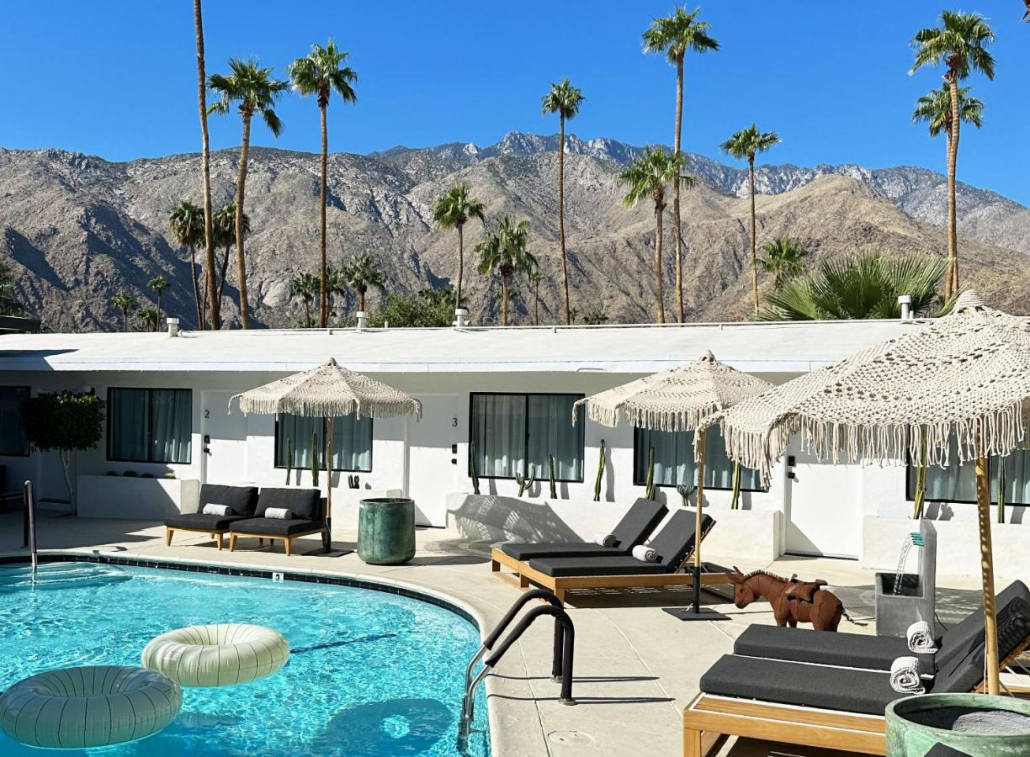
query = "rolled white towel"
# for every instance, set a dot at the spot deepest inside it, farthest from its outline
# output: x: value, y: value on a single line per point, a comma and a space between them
x: 278, y: 513
x: 607, y: 540
x: 211, y: 509
x: 920, y: 638
x: 905, y: 676
x: 644, y: 553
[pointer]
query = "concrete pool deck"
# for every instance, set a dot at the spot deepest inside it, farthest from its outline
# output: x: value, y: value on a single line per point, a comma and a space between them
x: 636, y: 666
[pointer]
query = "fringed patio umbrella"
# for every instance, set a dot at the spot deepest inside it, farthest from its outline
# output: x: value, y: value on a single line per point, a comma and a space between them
x: 326, y: 392
x: 964, y: 376
x: 678, y: 399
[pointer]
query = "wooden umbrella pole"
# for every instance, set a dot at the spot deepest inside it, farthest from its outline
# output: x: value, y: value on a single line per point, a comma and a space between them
x: 983, y: 502
x: 700, y: 454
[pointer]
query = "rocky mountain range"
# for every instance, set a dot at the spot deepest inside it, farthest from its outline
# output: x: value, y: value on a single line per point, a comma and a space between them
x: 78, y: 229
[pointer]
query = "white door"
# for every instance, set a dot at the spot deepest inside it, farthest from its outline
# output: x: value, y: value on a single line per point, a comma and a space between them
x: 433, y: 459
x: 824, y: 506
x: 224, y: 440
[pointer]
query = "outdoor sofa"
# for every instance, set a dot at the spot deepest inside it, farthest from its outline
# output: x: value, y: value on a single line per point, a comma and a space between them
x: 814, y: 703
x: 241, y: 501
x: 308, y: 516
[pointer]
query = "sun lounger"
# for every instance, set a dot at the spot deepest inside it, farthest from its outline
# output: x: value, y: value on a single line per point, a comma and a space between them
x: 674, y: 544
x: 308, y: 516
x: 241, y: 501
x: 840, y: 707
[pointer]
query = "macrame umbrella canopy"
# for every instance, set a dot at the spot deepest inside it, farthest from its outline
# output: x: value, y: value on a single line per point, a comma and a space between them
x: 329, y: 391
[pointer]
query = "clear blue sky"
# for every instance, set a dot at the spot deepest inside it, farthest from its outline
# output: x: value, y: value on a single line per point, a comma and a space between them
x: 118, y: 78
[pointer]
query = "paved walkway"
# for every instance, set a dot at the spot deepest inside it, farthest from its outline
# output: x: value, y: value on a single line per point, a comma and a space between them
x: 636, y: 665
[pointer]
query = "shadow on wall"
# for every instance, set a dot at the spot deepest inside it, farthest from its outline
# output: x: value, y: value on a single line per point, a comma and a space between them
x: 494, y: 518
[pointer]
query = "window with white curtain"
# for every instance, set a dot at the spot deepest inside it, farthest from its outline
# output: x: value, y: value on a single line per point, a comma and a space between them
x: 674, y: 460
x: 150, y: 425
x: 352, y: 442
x: 957, y: 483
x: 519, y: 433
x: 13, y: 442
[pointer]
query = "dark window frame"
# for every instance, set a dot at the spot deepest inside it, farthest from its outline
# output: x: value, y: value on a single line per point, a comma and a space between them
x: 28, y: 444
x: 910, y: 491
x: 150, y: 423
x: 371, y: 450
x: 643, y: 481
x: 525, y: 461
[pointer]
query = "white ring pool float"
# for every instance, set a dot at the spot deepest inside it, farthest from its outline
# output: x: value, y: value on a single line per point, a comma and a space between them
x: 224, y: 654
x: 78, y: 708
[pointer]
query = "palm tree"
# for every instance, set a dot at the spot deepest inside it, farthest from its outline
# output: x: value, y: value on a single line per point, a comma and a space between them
x: 320, y: 74
x: 186, y: 222
x: 534, y: 279
x: 205, y: 171
x: 563, y: 99
x: 158, y: 284
x: 862, y: 286
x: 674, y: 35
x: 649, y: 176
x: 151, y: 318
x: 255, y: 91
x: 505, y: 252
x: 124, y: 302
x: 452, y: 211
x: 363, y: 273
x: 960, y: 43
x: 338, y: 285
x: 225, y: 236
x: 783, y: 259
x: 935, y: 109
x: 747, y: 143
x: 307, y: 287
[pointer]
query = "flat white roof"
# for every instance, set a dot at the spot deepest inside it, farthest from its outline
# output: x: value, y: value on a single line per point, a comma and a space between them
x: 790, y: 347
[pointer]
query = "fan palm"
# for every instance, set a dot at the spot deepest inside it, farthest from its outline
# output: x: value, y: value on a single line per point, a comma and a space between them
x: 675, y: 35
x: 505, y: 252
x: 186, y: 222
x: 563, y: 99
x: 452, y: 211
x: 363, y: 273
x: 649, y: 176
x: 158, y: 284
x: 205, y: 171
x: 534, y: 279
x: 126, y: 303
x: 254, y: 91
x: 320, y: 73
x: 151, y: 318
x: 306, y: 286
x: 747, y: 143
x: 862, y: 286
x: 935, y: 109
x: 225, y: 236
x: 337, y: 286
x: 783, y: 259
x: 960, y: 43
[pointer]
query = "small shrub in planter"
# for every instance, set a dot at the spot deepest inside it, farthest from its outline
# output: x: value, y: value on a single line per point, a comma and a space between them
x: 169, y: 475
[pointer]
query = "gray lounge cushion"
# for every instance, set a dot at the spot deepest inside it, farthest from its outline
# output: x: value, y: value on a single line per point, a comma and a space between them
x: 275, y: 527
x: 302, y: 503
x: 959, y: 639
x: 241, y: 500
x: 636, y: 525
x: 201, y: 522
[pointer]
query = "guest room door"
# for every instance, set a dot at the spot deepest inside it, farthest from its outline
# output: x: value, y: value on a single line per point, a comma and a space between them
x: 433, y: 459
x: 824, y: 507
x: 223, y: 440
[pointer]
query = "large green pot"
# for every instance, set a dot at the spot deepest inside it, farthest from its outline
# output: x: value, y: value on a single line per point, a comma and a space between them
x: 909, y: 733
x: 386, y: 531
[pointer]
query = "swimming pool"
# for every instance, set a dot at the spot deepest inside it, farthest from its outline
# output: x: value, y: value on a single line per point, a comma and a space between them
x: 371, y: 673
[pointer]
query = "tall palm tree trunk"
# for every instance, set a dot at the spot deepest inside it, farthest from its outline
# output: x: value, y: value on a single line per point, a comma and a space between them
x: 361, y: 301
x: 561, y: 217
x: 224, y: 273
x: 323, y: 295
x: 536, y: 303
x: 658, y: 263
x: 196, y: 291
x: 241, y: 183
x: 951, y: 283
x: 677, y: 235
x: 754, y: 251
x: 504, y: 300
x: 461, y: 265
x: 205, y: 169
x: 158, y: 307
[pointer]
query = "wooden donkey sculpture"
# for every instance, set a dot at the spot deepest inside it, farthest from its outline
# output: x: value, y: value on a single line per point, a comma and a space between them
x: 792, y: 601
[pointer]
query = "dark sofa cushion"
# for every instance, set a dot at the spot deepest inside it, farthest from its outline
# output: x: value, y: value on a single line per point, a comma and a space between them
x: 676, y: 539
x: 303, y: 504
x: 242, y: 500
x: 201, y: 522
x: 958, y: 640
x: 275, y: 527
x: 619, y: 565
x: 523, y: 551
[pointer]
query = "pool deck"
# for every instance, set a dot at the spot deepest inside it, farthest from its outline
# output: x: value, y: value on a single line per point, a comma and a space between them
x: 636, y: 666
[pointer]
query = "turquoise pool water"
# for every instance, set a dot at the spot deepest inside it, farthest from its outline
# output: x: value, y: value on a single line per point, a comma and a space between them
x: 371, y: 673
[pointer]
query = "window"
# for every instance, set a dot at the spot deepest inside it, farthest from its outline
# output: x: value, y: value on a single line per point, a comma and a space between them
x: 352, y: 442
x: 13, y: 442
x: 150, y: 425
x: 957, y: 483
x: 519, y: 433
x: 674, y: 460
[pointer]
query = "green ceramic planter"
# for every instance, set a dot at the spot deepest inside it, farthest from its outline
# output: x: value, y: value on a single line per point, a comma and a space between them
x: 911, y: 722
x: 386, y: 531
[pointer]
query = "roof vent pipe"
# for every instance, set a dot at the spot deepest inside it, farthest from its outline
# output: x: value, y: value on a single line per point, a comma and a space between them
x: 905, y: 301
x: 173, y: 327
x: 461, y: 317
x: 362, y: 320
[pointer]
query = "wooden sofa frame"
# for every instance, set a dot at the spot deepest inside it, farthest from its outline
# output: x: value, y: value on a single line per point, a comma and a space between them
x: 216, y: 535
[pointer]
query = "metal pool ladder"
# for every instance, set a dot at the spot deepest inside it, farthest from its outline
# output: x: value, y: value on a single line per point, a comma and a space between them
x: 561, y: 665
x: 30, y: 527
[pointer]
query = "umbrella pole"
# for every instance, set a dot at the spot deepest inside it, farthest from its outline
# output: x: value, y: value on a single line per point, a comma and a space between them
x: 697, y: 521
x: 983, y: 502
x: 329, y: 483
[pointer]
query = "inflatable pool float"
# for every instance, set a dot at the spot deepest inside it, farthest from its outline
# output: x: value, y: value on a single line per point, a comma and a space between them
x: 79, y: 708
x: 224, y: 654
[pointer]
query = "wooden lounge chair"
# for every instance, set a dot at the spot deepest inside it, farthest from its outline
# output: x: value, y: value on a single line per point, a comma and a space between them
x: 674, y: 544
x: 831, y: 706
x: 241, y: 501
x: 308, y: 510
